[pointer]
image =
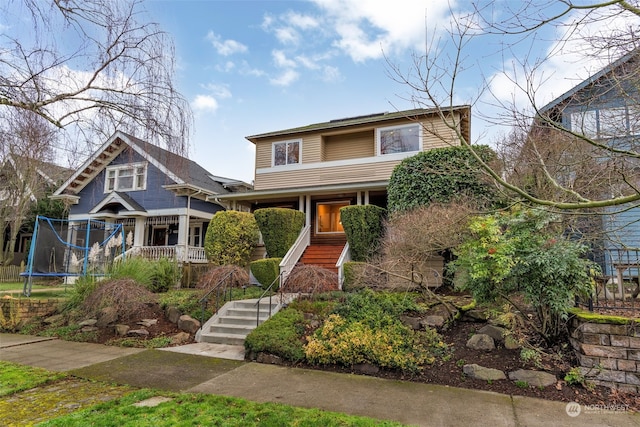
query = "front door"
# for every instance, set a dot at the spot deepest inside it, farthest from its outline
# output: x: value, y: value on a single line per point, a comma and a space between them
x: 328, y: 217
x: 159, y: 236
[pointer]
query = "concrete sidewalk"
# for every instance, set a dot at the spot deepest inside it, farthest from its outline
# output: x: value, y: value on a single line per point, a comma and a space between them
x: 201, y: 368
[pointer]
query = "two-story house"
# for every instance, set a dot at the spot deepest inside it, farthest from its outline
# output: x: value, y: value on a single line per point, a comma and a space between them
x: 163, y: 200
x: 319, y: 168
x: 605, y: 108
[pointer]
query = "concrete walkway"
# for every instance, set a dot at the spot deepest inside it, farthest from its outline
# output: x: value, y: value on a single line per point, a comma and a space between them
x: 207, y: 368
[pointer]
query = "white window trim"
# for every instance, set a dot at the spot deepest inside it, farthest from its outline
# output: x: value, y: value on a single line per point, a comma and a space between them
x: 273, y: 152
x: 118, y: 168
x: 382, y: 129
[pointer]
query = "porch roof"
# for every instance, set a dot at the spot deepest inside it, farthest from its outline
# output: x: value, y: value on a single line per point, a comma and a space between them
x: 298, y: 191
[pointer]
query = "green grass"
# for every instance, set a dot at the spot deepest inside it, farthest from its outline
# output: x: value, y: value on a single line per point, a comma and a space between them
x: 182, y: 409
x: 15, y: 378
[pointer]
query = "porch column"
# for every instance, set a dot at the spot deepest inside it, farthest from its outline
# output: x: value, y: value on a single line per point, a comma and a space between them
x: 138, y: 235
x: 183, y: 235
x: 308, y: 210
x: 366, y: 197
x: 358, y: 198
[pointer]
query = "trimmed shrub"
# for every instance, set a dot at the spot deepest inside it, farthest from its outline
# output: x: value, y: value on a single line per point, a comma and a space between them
x: 441, y: 175
x: 352, y: 271
x: 282, y: 336
x: 280, y: 228
x: 266, y: 270
x: 363, y: 226
x: 231, y: 238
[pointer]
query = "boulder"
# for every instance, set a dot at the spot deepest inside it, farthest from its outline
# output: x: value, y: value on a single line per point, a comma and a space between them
x: 482, y: 373
x: 180, y: 338
x: 511, y: 343
x: 107, y: 316
x: 122, y: 330
x: 57, y: 318
x: 481, y: 342
x: 412, y: 322
x: 434, y: 321
x: 88, y: 322
x: 188, y: 324
x: 474, y: 315
x: 533, y: 378
x: 138, y: 332
x: 147, y: 322
x: 495, y: 332
x: 173, y: 314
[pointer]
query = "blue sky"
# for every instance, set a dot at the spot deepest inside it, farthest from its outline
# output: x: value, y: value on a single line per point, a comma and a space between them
x: 249, y: 67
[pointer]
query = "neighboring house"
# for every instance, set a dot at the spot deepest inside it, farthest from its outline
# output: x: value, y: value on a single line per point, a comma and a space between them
x: 164, y: 201
x: 318, y: 169
x: 606, y: 108
x: 23, y: 181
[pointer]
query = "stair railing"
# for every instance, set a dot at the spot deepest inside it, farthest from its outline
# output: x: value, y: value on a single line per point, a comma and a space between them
x: 270, y: 291
x: 219, y: 290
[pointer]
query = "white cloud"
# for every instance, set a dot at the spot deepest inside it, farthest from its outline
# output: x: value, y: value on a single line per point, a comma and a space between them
x: 287, y: 35
x: 220, y: 91
x: 331, y: 74
x: 286, y: 78
x: 225, y: 47
x: 365, y: 28
x: 281, y: 60
x: 205, y: 103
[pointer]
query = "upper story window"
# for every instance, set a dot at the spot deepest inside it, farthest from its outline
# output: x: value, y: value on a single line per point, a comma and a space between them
x: 286, y: 152
x: 399, y: 139
x: 606, y: 122
x: 130, y: 177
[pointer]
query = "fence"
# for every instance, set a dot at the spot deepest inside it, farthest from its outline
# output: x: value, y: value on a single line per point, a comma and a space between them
x: 10, y: 273
x: 619, y: 287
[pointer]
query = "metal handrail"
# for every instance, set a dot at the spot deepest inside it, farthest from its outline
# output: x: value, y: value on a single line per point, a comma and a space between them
x: 216, y: 288
x: 257, y: 304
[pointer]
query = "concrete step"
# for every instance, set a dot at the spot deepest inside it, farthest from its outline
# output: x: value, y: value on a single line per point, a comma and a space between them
x: 226, y: 328
x: 221, y: 338
x: 239, y: 320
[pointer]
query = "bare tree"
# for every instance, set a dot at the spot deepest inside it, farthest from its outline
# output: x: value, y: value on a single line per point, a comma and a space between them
x: 545, y: 161
x: 26, y: 173
x: 91, y: 67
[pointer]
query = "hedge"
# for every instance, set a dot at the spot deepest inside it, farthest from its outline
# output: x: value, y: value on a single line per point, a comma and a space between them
x: 280, y: 228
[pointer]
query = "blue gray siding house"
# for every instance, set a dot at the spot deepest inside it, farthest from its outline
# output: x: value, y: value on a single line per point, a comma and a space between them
x: 164, y: 201
x: 606, y: 108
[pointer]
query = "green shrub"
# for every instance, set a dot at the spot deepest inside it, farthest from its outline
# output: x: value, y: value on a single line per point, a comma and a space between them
x: 185, y: 300
x: 83, y: 286
x: 166, y: 275
x: 266, y: 271
x: 441, y: 175
x: 282, y: 336
x: 363, y: 226
x: 352, y: 271
x: 280, y: 228
x: 365, y: 328
x: 231, y: 238
x: 137, y: 268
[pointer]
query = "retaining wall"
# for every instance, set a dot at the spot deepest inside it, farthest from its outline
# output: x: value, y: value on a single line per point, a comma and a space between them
x: 609, y: 353
x: 24, y: 309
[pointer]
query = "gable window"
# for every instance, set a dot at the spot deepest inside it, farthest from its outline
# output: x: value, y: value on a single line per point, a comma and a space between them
x: 585, y: 122
x: 131, y: 177
x: 286, y: 152
x: 399, y: 139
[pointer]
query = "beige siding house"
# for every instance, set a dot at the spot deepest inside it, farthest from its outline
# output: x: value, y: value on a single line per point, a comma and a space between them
x: 320, y: 168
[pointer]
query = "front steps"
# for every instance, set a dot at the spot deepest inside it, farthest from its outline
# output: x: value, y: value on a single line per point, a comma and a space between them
x: 235, y: 320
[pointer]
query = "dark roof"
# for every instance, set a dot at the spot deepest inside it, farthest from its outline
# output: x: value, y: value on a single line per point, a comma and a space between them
x: 53, y: 173
x: 603, y: 73
x: 359, y: 120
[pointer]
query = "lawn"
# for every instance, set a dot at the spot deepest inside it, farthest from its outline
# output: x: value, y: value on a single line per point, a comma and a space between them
x: 38, y: 290
x: 174, y: 409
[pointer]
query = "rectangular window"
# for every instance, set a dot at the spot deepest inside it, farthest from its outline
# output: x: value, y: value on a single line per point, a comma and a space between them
x: 399, y: 139
x: 328, y: 217
x: 132, y: 177
x: 613, y: 122
x: 286, y: 152
x: 585, y: 123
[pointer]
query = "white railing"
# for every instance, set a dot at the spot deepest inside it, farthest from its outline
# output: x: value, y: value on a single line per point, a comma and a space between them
x: 345, y: 256
x: 295, y: 252
x: 194, y: 254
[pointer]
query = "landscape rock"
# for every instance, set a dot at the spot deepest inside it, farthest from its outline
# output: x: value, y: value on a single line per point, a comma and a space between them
x: 88, y: 322
x: 122, y: 330
x: 173, y: 314
x: 180, y: 338
x: 433, y: 322
x: 106, y: 317
x: 474, y: 315
x: 138, y: 332
x: 53, y: 319
x: 481, y: 342
x: 482, y: 373
x: 148, y: 322
x: 269, y: 358
x: 89, y: 329
x: 188, y: 324
x: 366, y: 368
x: 533, y: 378
x: 495, y: 332
x: 412, y: 322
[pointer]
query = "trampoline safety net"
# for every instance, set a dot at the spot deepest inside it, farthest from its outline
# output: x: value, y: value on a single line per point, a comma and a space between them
x: 61, y: 248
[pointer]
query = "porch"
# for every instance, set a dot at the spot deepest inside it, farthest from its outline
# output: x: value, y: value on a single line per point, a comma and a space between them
x: 186, y: 254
